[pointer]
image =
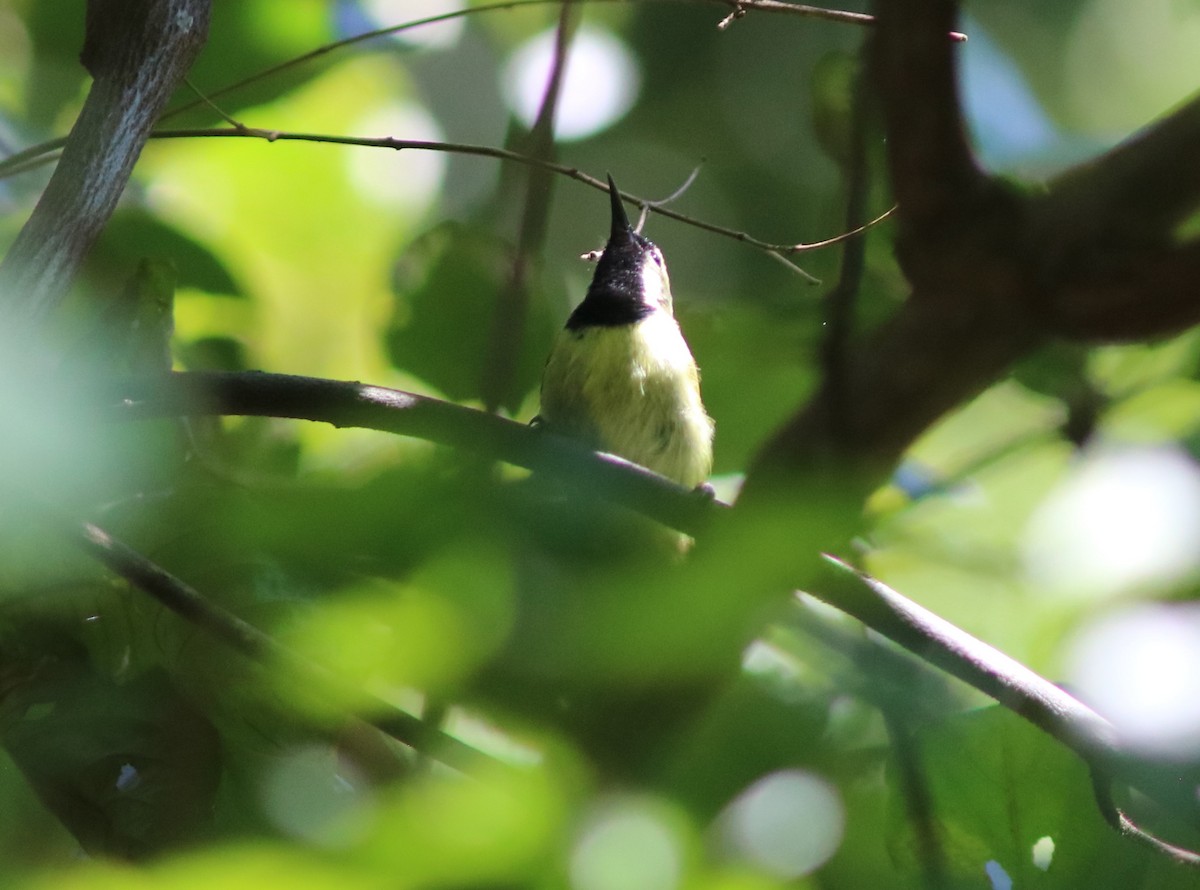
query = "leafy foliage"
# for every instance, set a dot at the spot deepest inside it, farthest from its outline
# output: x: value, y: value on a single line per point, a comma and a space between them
x: 642, y: 721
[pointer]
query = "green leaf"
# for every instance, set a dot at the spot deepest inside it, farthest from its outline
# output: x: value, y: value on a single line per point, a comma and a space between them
x: 131, y: 769
x: 1003, y: 792
x: 134, y: 234
x: 449, y: 281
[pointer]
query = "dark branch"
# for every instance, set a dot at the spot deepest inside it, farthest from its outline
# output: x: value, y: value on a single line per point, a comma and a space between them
x: 351, y: 404
x: 507, y: 333
x: 913, y: 69
x: 243, y: 637
x: 1130, y: 294
x: 1047, y: 706
x: 1138, y: 191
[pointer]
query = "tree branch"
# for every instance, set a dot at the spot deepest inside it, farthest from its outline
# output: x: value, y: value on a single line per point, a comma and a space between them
x: 1131, y: 294
x: 913, y: 65
x: 1047, y: 706
x: 1137, y: 192
x: 352, y: 404
x: 993, y: 272
x: 137, y: 52
x: 251, y: 642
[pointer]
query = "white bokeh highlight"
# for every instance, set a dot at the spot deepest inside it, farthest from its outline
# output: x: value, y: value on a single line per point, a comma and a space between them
x: 600, y: 82
x: 628, y: 844
x: 438, y: 35
x: 1042, y: 854
x: 1140, y: 668
x: 787, y: 823
x: 407, y: 180
x: 1122, y: 520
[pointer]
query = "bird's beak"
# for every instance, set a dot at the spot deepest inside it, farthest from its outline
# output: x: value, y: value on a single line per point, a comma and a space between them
x: 620, y: 222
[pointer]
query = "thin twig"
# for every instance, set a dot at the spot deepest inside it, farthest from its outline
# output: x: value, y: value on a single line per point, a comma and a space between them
x: 832, y: 15
x: 669, y: 199
x: 839, y: 303
x: 488, y: 151
x: 507, y: 333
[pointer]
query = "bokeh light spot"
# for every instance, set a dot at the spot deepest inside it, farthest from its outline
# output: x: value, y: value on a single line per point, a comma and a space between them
x: 406, y: 179
x: 628, y: 845
x: 1120, y: 520
x: 1140, y: 668
x: 439, y: 35
x: 599, y: 86
x: 1043, y: 852
x: 997, y: 875
x: 307, y: 797
x: 787, y: 823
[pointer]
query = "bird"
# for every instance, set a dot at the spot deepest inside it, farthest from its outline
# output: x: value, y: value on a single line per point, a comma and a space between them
x: 620, y: 376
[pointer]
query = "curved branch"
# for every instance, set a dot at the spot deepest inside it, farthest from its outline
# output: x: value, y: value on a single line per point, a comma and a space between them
x: 353, y: 404
x: 1045, y: 705
x: 1120, y: 822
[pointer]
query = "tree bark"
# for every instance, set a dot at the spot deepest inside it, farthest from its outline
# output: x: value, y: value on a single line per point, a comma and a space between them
x: 137, y: 52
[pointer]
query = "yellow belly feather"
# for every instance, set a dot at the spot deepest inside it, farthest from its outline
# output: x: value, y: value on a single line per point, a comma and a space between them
x: 633, y: 391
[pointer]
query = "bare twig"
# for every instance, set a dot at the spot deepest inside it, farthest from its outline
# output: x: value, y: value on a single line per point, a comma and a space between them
x: 840, y: 302
x: 507, y: 332
x: 741, y: 7
x: 488, y: 151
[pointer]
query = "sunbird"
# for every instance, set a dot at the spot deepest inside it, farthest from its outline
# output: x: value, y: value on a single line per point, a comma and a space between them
x: 620, y: 376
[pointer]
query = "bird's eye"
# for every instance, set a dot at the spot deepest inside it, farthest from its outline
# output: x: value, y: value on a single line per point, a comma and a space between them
x: 657, y: 256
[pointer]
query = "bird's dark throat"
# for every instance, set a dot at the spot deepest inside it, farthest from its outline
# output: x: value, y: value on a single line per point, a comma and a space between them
x: 615, y: 295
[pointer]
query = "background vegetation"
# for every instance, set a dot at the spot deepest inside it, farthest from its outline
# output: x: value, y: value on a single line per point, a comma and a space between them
x: 989, y: 402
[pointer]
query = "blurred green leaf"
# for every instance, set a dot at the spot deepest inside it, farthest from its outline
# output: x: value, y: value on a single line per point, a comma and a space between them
x: 131, y: 768
x: 448, y: 283
x: 57, y: 77
x: 135, y: 234
x: 496, y: 827
x: 833, y: 86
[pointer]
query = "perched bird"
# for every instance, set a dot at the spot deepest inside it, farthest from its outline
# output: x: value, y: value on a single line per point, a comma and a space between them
x: 620, y: 376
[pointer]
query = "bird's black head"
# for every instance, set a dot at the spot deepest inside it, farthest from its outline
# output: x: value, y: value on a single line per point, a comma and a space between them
x: 630, y: 281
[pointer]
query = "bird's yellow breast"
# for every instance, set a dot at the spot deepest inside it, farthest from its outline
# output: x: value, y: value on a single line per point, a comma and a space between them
x: 632, y: 390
